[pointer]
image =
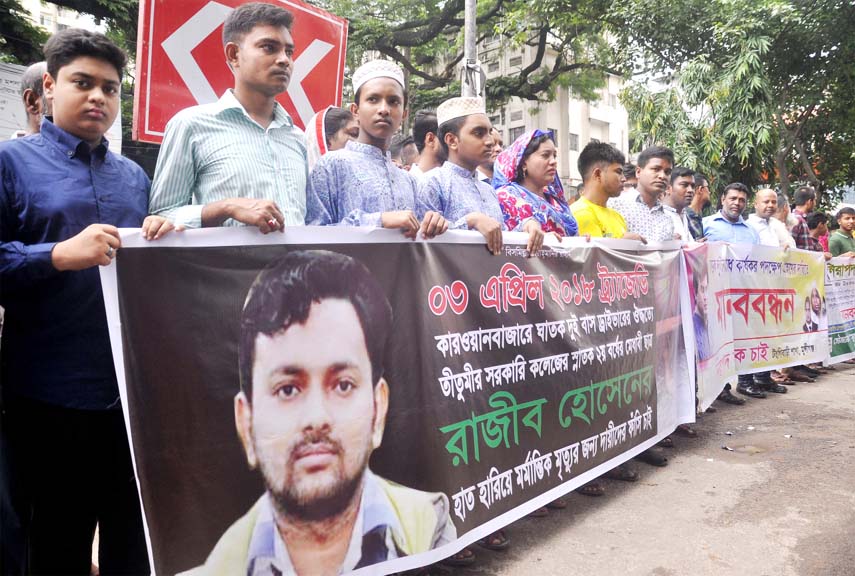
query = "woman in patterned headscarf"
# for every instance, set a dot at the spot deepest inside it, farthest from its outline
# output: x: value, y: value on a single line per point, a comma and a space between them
x: 526, y: 181
x: 329, y: 130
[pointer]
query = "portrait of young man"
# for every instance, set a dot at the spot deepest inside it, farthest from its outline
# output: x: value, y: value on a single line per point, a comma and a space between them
x: 311, y: 410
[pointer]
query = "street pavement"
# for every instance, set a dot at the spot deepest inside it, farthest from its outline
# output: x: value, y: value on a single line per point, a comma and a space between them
x: 781, y: 502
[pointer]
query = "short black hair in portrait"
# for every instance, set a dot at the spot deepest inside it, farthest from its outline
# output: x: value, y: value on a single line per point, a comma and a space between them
x: 283, y: 294
x: 598, y: 153
x: 424, y: 124
x: 652, y: 152
x: 243, y: 19
x: 70, y: 44
x: 681, y: 172
x: 814, y: 219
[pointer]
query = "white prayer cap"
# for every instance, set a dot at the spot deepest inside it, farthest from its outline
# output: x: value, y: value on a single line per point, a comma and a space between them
x: 459, y: 107
x: 377, y: 69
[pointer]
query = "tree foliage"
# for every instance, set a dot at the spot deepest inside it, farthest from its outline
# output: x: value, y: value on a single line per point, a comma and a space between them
x: 426, y: 39
x: 760, y: 91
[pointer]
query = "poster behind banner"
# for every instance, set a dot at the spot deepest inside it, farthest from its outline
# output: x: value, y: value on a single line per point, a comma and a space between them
x: 840, y: 292
x: 754, y: 309
x: 511, y: 381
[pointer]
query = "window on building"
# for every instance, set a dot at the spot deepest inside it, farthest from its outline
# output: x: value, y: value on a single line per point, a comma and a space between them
x: 554, y: 134
x: 60, y: 27
x: 492, y: 66
x: 46, y: 20
x: 495, y: 120
x: 515, y: 61
x: 613, y: 100
x: 516, y: 132
x: 516, y: 116
x: 573, y: 142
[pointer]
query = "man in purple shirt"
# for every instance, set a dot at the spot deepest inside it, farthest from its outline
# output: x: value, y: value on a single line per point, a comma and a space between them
x: 66, y: 465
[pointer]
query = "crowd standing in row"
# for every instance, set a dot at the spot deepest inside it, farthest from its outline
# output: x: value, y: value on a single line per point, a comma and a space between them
x: 242, y: 161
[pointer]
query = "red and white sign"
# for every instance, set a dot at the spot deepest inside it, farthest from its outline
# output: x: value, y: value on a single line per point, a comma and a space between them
x: 180, y: 60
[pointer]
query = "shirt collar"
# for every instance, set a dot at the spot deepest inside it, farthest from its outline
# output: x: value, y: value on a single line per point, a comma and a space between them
x: 69, y: 144
x: 266, y: 548
x: 228, y: 101
x: 719, y: 216
x: 657, y: 206
x: 459, y: 170
x: 753, y: 217
x: 368, y: 149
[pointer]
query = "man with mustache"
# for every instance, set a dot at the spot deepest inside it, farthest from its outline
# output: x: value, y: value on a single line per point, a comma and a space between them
x: 240, y: 160
x: 311, y: 410
x: 644, y: 214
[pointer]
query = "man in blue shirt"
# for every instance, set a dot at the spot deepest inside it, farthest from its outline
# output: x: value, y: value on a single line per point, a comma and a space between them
x: 727, y: 225
x: 63, y: 196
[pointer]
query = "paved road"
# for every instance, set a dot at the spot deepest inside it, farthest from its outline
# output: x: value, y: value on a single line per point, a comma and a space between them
x: 782, y: 503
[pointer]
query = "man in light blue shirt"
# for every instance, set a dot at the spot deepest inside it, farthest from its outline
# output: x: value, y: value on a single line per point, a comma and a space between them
x: 360, y: 185
x: 727, y: 224
x: 240, y: 160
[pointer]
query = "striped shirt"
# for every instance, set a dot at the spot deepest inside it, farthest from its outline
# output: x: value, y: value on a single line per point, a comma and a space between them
x: 217, y: 151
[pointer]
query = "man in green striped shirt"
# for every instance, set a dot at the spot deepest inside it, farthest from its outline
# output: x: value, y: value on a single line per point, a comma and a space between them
x: 240, y: 160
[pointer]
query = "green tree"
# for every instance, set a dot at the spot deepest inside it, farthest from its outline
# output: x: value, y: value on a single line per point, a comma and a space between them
x: 426, y: 39
x: 762, y: 89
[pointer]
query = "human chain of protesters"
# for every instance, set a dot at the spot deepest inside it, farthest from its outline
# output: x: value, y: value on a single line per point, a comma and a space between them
x: 242, y: 161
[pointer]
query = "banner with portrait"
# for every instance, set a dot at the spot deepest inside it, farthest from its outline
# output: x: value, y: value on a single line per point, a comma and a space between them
x: 840, y: 293
x: 411, y: 396
x: 753, y: 309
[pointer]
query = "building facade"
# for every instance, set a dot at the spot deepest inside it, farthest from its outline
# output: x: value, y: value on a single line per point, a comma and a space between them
x: 575, y: 122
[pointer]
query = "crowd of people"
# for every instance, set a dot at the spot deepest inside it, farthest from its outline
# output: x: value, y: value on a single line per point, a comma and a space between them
x: 243, y: 161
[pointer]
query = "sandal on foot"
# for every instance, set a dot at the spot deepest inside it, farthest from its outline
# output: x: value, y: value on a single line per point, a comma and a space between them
x: 557, y: 504
x: 686, y: 430
x: 540, y: 513
x: 591, y: 489
x: 666, y: 442
x: 465, y: 557
x: 498, y: 540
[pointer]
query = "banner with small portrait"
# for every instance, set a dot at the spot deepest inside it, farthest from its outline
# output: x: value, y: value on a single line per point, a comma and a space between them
x: 840, y: 293
x: 753, y: 309
x: 392, y: 400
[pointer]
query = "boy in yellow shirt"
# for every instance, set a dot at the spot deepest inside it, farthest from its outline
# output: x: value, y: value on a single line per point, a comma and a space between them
x: 601, y: 167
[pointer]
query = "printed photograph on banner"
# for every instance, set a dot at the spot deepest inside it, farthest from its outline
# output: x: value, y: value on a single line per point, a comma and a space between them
x: 388, y: 400
x: 713, y: 341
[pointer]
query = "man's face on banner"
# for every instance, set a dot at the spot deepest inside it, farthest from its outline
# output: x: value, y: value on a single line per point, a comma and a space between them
x: 315, y: 415
x: 701, y: 296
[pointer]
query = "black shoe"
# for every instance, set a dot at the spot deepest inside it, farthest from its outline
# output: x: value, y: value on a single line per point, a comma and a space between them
x: 769, y: 385
x: 727, y: 396
x: 750, y: 390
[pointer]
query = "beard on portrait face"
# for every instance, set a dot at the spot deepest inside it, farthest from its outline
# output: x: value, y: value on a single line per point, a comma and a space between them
x: 312, y: 503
